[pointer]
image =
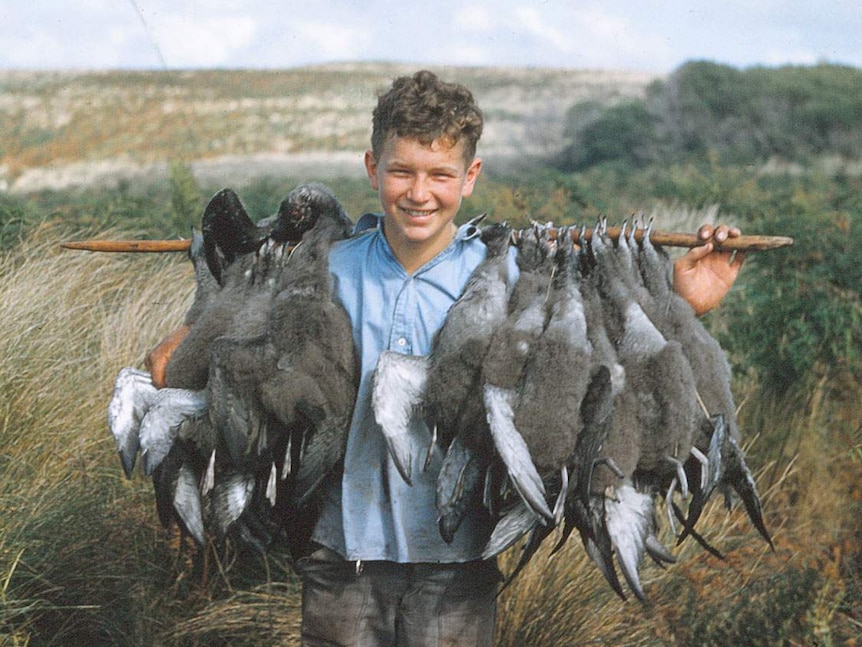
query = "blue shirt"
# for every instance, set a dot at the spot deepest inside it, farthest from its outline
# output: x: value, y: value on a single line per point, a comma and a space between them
x: 375, y: 514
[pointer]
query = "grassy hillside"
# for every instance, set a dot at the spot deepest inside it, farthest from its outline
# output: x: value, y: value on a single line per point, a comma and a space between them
x: 64, y: 129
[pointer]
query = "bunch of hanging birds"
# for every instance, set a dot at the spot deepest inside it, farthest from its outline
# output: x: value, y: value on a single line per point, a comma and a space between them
x: 259, y: 393
x: 572, y: 394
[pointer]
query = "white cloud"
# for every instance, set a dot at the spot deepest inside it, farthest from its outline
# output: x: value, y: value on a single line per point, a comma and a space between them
x: 476, y: 19
x: 330, y: 40
x: 186, y: 41
x: 537, y: 26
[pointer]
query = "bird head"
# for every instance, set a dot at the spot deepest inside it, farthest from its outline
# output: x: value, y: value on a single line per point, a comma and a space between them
x: 303, y: 208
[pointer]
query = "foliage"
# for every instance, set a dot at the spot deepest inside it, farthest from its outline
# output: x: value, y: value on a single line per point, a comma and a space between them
x: 186, y: 196
x: 744, y: 116
x: 13, y: 218
x: 625, y: 131
x: 799, y: 310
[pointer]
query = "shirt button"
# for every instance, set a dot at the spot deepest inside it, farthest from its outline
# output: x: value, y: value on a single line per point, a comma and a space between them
x: 401, y: 342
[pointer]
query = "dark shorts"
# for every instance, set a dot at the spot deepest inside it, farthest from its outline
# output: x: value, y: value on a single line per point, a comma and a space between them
x: 386, y: 604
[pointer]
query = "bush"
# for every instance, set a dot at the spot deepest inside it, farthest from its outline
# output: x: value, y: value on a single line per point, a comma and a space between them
x: 799, y: 310
x: 744, y: 116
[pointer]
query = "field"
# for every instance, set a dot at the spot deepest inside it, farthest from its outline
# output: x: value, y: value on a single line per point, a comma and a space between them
x: 64, y: 130
x: 83, y: 559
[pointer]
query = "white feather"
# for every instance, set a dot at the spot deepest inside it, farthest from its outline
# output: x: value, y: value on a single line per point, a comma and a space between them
x: 397, y: 392
x: 628, y: 516
x: 133, y: 393
x: 168, y: 409
x: 514, y: 451
x: 187, y: 503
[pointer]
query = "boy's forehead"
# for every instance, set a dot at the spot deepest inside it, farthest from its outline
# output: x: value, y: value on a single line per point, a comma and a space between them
x: 404, y: 143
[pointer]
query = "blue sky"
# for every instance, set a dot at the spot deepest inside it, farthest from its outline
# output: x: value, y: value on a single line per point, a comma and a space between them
x: 654, y: 36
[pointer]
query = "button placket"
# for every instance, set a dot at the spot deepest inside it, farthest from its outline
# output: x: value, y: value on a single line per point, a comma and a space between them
x: 400, y: 338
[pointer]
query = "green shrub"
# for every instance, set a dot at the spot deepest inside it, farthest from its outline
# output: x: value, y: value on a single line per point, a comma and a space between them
x: 743, y: 116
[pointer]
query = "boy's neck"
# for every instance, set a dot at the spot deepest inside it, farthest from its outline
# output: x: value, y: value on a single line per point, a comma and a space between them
x: 413, y: 256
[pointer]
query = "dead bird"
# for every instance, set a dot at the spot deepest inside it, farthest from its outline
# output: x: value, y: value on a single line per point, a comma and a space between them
x: 236, y: 266
x: 557, y: 372
x: 453, y: 405
x: 607, y: 403
x: 721, y: 461
x: 502, y: 375
x: 441, y: 389
x: 655, y: 416
x: 283, y: 398
x: 452, y: 402
x: 262, y: 341
x: 556, y: 380
x: 313, y: 391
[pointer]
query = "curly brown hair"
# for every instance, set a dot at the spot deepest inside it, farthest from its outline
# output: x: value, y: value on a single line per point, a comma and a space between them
x: 427, y: 109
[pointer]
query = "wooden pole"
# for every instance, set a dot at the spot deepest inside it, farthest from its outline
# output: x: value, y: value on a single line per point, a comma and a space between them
x: 668, y: 239
x: 671, y: 239
x: 129, y: 245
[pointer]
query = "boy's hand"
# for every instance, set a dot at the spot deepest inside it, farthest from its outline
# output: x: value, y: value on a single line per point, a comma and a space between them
x: 703, y: 276
x: 157, y: 360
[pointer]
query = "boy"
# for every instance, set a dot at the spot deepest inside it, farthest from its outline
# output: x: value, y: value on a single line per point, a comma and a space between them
x: 378, y: 572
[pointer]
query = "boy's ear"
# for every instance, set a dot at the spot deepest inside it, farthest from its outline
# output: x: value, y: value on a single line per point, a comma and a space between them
x: 371, y: 169
x: 473, y: 171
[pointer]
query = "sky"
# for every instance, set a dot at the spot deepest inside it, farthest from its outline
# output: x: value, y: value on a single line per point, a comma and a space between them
x: 639, y: 35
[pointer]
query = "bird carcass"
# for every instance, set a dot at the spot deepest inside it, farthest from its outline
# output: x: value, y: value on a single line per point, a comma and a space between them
x: 270, y: 359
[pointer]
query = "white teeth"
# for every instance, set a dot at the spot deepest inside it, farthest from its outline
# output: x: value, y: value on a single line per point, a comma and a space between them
x: 417, y: 214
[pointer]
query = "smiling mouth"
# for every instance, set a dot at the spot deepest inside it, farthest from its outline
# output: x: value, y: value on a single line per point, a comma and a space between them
x: 416, y: 213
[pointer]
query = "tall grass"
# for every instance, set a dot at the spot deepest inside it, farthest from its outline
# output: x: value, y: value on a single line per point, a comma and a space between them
x: 83, y: 560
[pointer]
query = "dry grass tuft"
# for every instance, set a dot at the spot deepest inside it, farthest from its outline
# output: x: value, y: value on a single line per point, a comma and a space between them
x: 264, y: 615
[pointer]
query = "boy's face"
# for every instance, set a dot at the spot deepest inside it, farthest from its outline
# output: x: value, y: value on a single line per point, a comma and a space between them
x: 420, y: 187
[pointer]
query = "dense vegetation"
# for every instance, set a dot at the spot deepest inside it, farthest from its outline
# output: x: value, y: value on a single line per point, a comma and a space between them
x: 83, y: 560
x: 743, y: 116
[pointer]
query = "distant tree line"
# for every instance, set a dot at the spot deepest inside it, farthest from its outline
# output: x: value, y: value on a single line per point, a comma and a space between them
x: 742, y: 116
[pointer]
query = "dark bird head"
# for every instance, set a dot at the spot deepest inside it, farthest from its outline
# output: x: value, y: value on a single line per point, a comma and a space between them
x: 535, y: 248
x: 228, y: 232
x: 497, y: 238
x: 303, y: 208
x: 566, y: 259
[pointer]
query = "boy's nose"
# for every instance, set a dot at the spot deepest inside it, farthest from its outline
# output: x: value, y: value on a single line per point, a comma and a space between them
x: 418, y: 191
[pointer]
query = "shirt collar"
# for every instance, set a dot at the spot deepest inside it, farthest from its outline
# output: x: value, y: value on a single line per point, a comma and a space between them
x: 373, y: 222
x: 368, y: 221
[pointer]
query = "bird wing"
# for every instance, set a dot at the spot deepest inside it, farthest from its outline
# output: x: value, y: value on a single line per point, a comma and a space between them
x: 459, y: 483
x: 230, y: 496
x: 397, y: 392
x: 187, y: 503
x: 511, y: 527
x: 514, y: 451
x: 133, y: 393
x: 168, y: 409
x: 628, y: 516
